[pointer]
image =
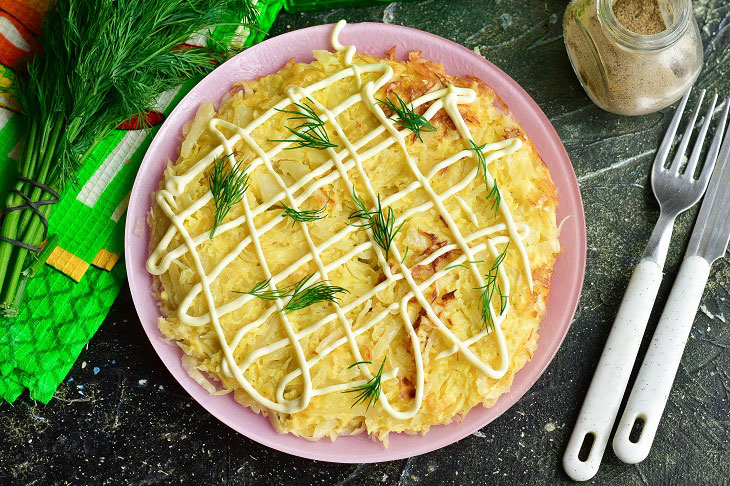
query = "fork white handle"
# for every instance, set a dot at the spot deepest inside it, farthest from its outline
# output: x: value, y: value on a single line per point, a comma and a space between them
x: 606, y: 390
x: 656, y: 376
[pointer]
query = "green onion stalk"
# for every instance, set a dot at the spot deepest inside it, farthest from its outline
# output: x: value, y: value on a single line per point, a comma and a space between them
x: 100, y: 62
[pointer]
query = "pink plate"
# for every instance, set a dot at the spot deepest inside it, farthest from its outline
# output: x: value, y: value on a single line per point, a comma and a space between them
x: 375, y: 39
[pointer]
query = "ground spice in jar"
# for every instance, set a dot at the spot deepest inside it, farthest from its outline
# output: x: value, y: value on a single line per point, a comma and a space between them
x: 623, y: 68
x: 640, y: 16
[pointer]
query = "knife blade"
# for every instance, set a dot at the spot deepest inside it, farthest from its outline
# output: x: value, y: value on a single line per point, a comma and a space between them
x: 711, y: 233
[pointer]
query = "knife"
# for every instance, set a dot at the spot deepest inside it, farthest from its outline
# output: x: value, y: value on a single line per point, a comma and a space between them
x: 708, y: 243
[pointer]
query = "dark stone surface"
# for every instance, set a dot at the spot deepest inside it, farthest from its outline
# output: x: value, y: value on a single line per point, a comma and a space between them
x: 122, y: 418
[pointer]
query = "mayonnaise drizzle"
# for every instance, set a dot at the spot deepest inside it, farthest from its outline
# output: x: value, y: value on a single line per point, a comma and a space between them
x: 336, y: 168
x: 349, y: 50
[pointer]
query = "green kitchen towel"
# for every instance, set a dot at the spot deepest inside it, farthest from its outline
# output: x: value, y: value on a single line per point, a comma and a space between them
x: 64, y: 306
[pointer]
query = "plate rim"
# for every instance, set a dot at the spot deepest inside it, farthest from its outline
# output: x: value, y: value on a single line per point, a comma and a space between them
x: 281, y: 442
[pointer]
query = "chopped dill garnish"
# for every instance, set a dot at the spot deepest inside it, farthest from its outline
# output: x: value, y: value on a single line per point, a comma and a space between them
x: 380, y: 222
x: 228, y: 184
x: 358, y: 363
x: 405, y: 254
x: 301, y: 296
x: 463, y: 264
x: 502, y: 300
x: 306, y: 216
x: 368, y: 393
x: 408, y: 118
x: 491, y: 287
x: 496, y: 196
x: 317, y: 292
x: 310, y: 132
x: 481, y: 162
x: 492, y: 193
x: 259, y: 290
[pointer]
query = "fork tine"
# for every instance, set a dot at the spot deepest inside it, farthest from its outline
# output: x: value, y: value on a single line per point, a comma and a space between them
x: 714, y: 147
x: 689, y: 172
x: 677, y: 161
x: 661, y: 155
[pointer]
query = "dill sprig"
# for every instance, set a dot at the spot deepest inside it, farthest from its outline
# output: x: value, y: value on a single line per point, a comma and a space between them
x: 100, y: 62
x: 407, y: 117
x: 303, y: 297
x: 489, y: 289
x: 368, y: 393
x: 228, y: 184
x: 310, y: 132
x: 305, y: 216
x: 300, y: 295
x: 405, y: 254
x: 259, y: 290
x: 380, y: 222
x: 463, y: 265
x: 494, y: 194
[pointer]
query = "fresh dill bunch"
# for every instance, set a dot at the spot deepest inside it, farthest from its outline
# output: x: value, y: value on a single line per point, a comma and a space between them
x: 305, y: 216
x: 490, y: 288
x: 115, y: 57
x: 380, y: 222
x: 300, y: 294
x: 368, y: 393
x: 407, y: 117
x: 494, y: 194
x: 310, y: 132
x: 100, y: 63
x: 228, y: 184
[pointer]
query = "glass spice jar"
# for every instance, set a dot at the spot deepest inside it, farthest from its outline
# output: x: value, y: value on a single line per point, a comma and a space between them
x: 626, y: 72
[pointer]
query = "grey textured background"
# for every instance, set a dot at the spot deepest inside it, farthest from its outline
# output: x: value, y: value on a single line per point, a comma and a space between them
x: 123, y: 419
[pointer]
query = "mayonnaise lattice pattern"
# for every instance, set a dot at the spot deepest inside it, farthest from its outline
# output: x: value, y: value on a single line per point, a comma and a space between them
x: 341, y: 165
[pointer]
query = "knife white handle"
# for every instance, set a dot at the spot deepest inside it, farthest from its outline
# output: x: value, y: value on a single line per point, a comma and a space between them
x: 656, y: 376
x: 609, y: 382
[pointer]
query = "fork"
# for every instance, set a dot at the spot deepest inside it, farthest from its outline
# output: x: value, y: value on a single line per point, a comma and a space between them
x: 707, y: 244
x: 676, y: 189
